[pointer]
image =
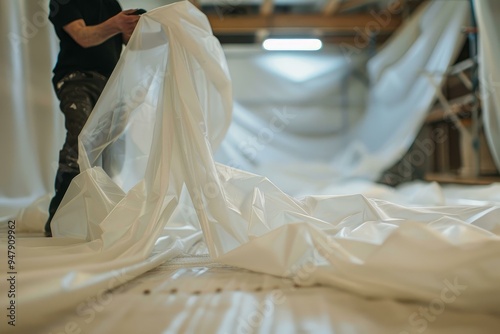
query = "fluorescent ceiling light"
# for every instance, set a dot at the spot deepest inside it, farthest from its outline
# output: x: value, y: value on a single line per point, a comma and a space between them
x: 292, y: 44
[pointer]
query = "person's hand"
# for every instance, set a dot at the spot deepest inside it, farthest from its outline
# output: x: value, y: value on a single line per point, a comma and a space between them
x: 126, y: 21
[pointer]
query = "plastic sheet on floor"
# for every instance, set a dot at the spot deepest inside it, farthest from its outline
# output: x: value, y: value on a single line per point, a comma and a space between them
x: 195, y: 295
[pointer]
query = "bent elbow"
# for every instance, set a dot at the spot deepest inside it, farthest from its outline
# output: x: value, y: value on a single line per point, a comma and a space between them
x: 84, y: 44
x: 84, y: 41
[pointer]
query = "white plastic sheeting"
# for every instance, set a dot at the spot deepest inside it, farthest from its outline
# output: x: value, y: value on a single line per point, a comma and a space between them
x: 193, y: 295
x: 150, y: 190
x: 285, y: 143
x: 31, y: 126
x: 489, y: 48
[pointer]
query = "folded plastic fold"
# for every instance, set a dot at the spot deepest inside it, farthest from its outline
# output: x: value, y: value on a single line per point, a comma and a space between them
x: 150, y: 190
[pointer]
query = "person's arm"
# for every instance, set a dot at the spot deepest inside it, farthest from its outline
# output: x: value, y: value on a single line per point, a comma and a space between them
x: 125, y: 36
x: 88, y: 36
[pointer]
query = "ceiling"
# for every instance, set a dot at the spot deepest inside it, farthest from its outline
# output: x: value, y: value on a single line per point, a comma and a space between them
x: 333, y: 21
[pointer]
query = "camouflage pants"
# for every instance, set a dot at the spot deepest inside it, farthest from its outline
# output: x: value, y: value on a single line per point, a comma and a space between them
x: 78, y: 93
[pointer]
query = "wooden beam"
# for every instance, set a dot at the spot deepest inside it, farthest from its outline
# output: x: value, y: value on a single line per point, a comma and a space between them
x: 356, y: 24
x: 346, y: 5
x: 459, y: 179
x: 395, y: 6
x: 267, y: 7
x: 331, y: 7
x: 349, y: 40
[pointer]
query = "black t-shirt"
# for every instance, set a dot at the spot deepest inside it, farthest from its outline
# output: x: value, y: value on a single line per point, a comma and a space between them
x: 72, y: 57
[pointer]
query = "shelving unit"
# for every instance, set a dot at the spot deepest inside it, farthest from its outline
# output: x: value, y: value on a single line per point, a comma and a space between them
x: 451, y: 146
x: 464, y: 156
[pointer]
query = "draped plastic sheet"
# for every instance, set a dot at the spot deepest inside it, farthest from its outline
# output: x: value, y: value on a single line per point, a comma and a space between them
x: 304, y: 157
x: 31, y: 126
x: 167, y: 105
x: 203, y: 297
x: 487, y: 13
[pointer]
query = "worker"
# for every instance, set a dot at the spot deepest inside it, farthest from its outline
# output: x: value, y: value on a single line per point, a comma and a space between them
x: 92, y: 34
